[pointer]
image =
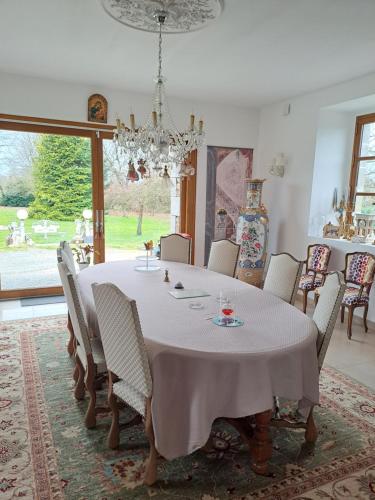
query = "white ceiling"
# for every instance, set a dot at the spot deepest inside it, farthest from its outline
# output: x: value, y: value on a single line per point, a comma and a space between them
x: 363, y: 104
x: 259, y: 51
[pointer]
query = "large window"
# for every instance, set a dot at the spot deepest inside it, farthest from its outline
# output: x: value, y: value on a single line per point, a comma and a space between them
x: 63, y: 181
x: 362, y: 178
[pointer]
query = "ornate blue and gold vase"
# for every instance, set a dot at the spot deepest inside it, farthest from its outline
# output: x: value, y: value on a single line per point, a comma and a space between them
x: 252, y: 234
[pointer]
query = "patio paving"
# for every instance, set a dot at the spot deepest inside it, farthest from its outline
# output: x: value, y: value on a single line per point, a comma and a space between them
x: 34, y: 268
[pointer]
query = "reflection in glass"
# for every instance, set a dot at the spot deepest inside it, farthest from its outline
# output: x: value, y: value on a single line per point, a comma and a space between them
x: 366, y: 177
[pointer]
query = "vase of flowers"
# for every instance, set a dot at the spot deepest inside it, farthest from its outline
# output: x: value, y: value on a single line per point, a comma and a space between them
x: 149, y: 246
x: 83, y: 255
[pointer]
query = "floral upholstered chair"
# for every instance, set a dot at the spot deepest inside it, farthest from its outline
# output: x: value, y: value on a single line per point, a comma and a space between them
x: 359, y: 275
x: 316, y: 268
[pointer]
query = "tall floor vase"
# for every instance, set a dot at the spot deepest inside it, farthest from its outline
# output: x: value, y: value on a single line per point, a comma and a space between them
x: 252, y: 234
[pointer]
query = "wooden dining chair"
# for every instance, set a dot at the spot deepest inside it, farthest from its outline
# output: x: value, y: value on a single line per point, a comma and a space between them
x: 359, y: 276
x: 283, y: 276
x: 224, y: 257
x: 71, y: 342
x: 176, y: 248
x: 89, y: 353
x: 128, y: 366
x: 316, y: 267
x: 325, y: 316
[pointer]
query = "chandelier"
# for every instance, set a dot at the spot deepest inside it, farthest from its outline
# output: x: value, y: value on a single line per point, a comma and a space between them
x: 158, y: 144
x: 158, y: 147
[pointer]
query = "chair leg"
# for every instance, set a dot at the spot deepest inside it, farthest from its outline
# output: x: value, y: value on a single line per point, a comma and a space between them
x: 365, y: 318
x: 70, y: 346
x: 305, y: 292
x: 342, y: 314
x: 316, y: 299
x: 276, y: 404
x: 79, y: 391
x: 350, y: 321
x: 90, y: 418
x: 76, y: 370
x: 151, y: 467
x: 114, y: 432
x: 76, y: 373
x: 311, y: 434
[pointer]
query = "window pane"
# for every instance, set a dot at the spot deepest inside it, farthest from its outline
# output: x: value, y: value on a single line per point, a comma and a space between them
x: 136, y: 210
x: 45, y: 186
x: 365, y: 205
x: 366, y: 177
x: 368, y: 140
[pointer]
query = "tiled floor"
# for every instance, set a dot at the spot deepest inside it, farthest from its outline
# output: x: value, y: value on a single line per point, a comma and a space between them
x: 355, y: 357
x: 11, y: 309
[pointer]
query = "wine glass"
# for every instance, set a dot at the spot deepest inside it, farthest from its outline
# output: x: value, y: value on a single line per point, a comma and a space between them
x: 227, y: 306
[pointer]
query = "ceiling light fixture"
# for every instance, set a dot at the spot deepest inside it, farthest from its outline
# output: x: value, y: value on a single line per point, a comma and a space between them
x: 158, y: 146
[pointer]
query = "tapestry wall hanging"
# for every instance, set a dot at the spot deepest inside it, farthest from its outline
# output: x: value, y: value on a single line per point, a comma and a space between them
x: 227, y: 169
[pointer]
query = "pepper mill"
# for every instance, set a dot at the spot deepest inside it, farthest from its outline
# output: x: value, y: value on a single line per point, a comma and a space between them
x: 166, y: 277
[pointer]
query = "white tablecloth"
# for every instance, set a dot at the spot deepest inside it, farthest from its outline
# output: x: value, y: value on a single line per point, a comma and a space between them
x: 202, y: 371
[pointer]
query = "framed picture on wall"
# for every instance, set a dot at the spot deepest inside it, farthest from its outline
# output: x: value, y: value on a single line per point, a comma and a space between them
x: 227, y: 169
x: 330, y: 231
x: 97, y: 109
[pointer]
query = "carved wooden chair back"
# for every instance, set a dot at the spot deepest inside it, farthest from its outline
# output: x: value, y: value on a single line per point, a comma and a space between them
x: 176, y: 248
x: 283, y: 275
x: 224, y: 257
x: 123, y: 344
x: 326, y: 311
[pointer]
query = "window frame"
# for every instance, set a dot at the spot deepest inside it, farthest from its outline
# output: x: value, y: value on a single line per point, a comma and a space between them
x: 361, y: 121
x: 96, y: 132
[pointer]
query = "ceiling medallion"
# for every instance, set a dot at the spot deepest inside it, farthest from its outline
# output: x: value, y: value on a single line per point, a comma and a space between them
x: 183, y: 15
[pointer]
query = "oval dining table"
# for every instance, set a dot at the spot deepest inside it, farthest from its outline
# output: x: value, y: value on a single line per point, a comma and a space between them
x: 202, y: 371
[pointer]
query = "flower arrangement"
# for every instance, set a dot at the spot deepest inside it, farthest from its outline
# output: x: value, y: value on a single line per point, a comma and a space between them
x: 149, y: 245
x: 83, y: 253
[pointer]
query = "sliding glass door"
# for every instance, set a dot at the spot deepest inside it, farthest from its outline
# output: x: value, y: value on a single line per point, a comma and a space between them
x: 45, y: 196
x: 136, y: 209
x: 61, y: 182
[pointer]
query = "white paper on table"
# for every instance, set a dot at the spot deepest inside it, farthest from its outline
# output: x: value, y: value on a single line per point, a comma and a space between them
x: 188, y: 294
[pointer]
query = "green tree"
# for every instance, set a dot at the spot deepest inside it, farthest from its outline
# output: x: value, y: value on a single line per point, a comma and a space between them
x: 16, y: 192
x: 62, y: 177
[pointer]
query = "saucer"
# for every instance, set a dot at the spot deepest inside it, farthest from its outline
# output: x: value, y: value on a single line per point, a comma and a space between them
x: 227, y: 322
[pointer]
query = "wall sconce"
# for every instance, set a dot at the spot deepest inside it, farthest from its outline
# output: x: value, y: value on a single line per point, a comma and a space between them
x: 278, y: 165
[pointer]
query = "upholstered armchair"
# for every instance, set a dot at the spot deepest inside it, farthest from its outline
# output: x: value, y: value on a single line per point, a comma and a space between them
x: 316, y: 268
x: 359, y: 276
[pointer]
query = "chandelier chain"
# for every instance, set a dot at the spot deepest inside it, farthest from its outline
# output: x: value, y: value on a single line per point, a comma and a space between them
x: 160, y: 47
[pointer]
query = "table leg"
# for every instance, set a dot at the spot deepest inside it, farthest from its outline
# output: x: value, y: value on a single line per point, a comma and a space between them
x: 261, y: 447
x: 311, y: 434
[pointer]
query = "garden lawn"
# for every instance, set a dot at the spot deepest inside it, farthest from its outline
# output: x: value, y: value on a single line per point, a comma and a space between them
x: 120, y: 232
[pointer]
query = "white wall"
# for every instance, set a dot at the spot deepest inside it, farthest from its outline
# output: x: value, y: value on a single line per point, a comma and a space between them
x: 288, y: 198
x: 225, y: 125
x: 334, y: 141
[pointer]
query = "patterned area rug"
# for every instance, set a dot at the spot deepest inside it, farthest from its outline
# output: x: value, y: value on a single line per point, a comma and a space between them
x: 46, y: 452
